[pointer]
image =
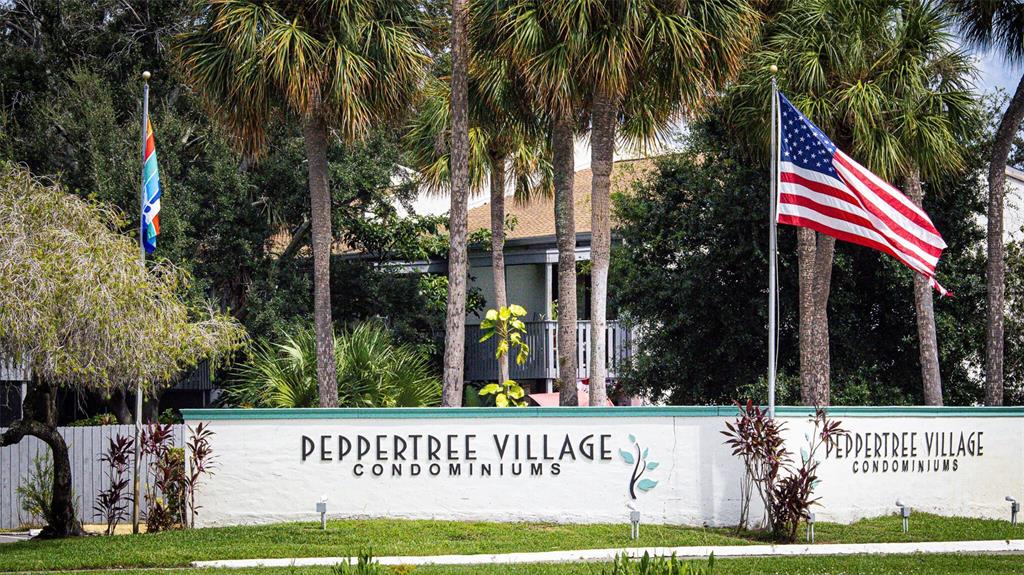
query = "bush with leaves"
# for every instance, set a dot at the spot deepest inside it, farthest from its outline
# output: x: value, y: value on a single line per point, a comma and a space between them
x: 164, y: 477
x: 373, y: 371
x: 787, y: 491
x: 506, y: 325
x: 200, y: 464
x: 112, y: 502
x: 794, y: 493
x: 37, y: 491
x: 757, y: 440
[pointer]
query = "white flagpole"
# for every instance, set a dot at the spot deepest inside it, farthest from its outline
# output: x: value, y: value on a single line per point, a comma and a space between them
x: 136, y: 495
x: 773, y: 284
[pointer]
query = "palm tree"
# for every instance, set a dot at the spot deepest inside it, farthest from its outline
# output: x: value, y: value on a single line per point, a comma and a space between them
x: 641, y: 63
x: 329, y: 65
x: 996, y: 24
x: 529, y: 35
x: 458, y: 259
x: 882, y: 79
x: 504, y: 140
x: 927, y: 81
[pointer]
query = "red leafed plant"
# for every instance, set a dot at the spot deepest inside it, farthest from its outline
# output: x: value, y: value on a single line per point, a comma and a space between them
x: 201, y: 462
x: 787, y: 491
x: 757, y: 440
x: 112, y: 502
x: 164, y: 478
x: 174, y: 474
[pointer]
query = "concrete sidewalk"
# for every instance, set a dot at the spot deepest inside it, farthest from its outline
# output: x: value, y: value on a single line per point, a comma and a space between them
x: 15, y: 536
x: 697, y: 552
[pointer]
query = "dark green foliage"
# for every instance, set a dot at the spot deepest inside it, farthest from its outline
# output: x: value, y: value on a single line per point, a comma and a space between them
x: 1014, y: 367
x: 692, y: 273
x: 70, y: 106
x: 373, y: 371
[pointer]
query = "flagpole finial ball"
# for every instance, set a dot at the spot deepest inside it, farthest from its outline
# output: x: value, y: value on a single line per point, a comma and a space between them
x: 774, y: 69
x: 146, y: 75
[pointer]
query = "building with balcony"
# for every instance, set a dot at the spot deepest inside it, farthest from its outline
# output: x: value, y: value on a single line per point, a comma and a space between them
x: 531, y: 272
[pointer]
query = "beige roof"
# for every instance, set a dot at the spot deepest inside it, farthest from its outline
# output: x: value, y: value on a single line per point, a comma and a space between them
x: 534, y: 219
x: 537, y: 218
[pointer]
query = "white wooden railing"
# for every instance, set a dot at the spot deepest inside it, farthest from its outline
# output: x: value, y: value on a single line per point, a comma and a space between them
x: 542, y: 337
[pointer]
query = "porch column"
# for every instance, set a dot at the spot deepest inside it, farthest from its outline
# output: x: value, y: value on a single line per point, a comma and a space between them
x: 547, y: 290
x: 549, y: 384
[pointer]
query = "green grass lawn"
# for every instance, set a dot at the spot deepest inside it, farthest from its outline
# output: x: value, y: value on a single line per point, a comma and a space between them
x: 874, y: 565
x: 398, y: 537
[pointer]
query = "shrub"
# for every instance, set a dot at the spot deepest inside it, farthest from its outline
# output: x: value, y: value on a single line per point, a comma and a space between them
x: 365, y: 565
x: 648, y: 565
x: 373, y: 371
x: 98, y: 419
x: 508, y: 329
x: 787, y: 491
x: 112, y: 502
x: 37, y: 492
x: 757, y: 440
x: 165, y: 504
x: 200, y: 459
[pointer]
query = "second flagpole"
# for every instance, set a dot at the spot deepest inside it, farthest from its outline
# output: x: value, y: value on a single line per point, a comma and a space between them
x: 136, y: 483
x: 773, y: 283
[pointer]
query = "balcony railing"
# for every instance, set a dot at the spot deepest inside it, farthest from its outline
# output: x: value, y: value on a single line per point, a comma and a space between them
x: 542, y: 337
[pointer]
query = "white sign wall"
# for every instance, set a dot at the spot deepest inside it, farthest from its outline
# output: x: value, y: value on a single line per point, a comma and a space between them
x: 590, y: 465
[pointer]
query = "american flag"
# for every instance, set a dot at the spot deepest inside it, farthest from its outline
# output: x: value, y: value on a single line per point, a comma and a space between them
x: 822, y: 188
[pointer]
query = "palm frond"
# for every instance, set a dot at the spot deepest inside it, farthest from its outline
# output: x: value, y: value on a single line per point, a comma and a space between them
x: 373, y: 371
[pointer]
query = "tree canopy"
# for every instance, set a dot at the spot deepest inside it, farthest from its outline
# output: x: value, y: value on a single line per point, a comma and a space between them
x: 690, y: 275
x: 78, y: 306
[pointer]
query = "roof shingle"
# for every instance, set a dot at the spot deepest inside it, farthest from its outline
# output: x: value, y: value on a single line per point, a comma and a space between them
x: 537, y: 218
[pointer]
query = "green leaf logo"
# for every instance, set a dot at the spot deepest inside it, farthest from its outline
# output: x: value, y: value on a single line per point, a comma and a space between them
x: 646, y: 484
x: 636, y: 456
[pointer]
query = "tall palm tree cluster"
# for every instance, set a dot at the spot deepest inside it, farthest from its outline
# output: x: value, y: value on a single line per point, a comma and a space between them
x: 886, y: 78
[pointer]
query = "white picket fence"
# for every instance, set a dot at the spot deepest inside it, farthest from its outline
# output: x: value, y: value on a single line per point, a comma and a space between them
x: 88, y: 473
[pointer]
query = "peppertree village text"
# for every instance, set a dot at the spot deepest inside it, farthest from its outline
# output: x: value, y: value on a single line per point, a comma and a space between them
x: 907, y: 451
x: 504, y: 454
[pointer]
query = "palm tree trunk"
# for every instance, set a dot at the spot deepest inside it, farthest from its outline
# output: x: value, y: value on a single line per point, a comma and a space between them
x: 564, y: 167
x: 815, y: 253
x: 498, y: 246
x: 995, y: 268
x: 455, y: 317
x: 931, y: 378
x: 315, y: 136
x: 40, y: 421
x: 602, y: 142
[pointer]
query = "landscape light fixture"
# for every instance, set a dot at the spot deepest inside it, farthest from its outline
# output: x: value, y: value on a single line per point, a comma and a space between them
x: 905, y: 514
x: 1014, y: 509
x: 634, y: 520
x: 321, y: 508
x: 810, y: 527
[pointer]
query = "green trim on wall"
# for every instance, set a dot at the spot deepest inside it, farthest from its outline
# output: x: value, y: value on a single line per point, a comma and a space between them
x: 526, y: 412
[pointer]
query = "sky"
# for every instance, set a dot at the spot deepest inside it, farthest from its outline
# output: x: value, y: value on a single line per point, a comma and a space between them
x: 994, y: 73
